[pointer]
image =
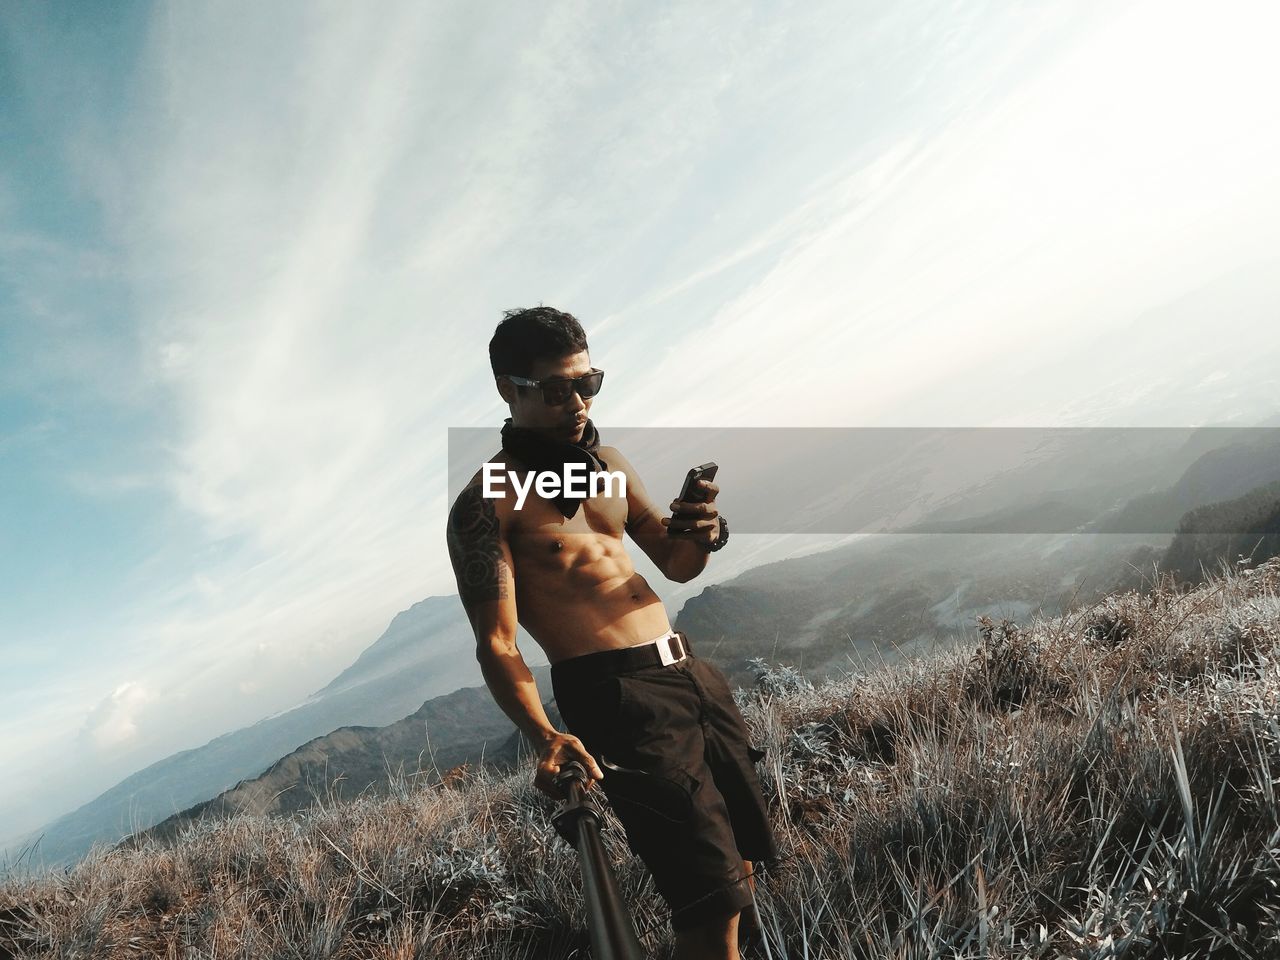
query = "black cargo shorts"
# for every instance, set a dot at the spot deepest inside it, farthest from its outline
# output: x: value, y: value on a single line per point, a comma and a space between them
x: 679, y: 772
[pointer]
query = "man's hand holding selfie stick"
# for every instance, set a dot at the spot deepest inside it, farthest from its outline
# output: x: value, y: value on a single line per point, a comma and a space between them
x: 559, y: 750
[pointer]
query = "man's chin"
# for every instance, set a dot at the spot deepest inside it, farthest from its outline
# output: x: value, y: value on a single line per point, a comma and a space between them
x: 560, y: 431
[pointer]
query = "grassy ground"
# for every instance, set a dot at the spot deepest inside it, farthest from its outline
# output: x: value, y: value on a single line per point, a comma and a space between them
x: 1097, y: 785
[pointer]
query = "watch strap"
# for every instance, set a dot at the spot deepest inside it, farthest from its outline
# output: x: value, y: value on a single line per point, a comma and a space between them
x: 721, y: 540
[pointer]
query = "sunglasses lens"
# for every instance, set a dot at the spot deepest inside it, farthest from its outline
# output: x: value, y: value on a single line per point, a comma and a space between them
x: 557, y: 391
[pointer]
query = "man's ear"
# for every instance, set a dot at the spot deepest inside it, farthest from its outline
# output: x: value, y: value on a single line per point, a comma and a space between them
x: 506, y: 389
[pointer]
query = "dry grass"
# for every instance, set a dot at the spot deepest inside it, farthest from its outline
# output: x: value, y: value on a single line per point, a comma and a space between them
x: 1097, y: 785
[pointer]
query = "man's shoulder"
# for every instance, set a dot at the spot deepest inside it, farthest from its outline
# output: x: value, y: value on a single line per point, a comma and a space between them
x: 615, y: 459
x: 472, y: 490
x: 500, y: 458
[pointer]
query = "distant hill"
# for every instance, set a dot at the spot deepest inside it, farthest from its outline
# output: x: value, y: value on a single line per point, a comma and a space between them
x: 1071, y: 476
x: 889, y: 596
x: 1211, y: 535
x: 1218, y: 475
x: 426, y: 651
x: 465, y: 726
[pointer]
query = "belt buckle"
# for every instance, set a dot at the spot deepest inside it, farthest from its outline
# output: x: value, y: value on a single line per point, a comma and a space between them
x: 664, y: 650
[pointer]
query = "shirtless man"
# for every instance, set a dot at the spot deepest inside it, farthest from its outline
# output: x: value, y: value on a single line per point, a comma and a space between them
x: 569, y: 581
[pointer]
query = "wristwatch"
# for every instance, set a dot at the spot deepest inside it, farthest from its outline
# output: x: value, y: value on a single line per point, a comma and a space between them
x: 721, y: 540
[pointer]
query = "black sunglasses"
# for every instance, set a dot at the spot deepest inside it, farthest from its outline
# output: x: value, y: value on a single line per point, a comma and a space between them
x: 557, y: 390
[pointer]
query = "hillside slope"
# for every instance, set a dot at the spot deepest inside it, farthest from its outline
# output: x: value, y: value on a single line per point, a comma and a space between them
x: 1209, y: 536
x: 1099, y: 784
x: 463, y: 727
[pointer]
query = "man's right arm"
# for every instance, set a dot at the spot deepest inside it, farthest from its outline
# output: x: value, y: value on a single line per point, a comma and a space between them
x: 482, y: 565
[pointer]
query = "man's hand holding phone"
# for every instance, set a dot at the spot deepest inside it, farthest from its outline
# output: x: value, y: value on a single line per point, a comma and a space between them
x: 694, y: 513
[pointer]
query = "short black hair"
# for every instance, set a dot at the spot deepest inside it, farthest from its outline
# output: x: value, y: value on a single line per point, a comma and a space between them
x: 529, y: 334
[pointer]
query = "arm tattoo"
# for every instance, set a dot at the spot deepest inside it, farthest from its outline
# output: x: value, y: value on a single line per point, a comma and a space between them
x: 474, y: 549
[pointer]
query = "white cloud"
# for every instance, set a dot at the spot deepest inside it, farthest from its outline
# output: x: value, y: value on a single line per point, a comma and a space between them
x: 113, y: 723
x: 939, y: 271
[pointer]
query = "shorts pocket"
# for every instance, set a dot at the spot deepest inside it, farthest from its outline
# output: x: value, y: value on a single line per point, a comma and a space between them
x: 639, y: 796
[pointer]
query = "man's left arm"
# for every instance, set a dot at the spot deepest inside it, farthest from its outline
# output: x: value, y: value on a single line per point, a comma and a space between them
x: 682, y: 554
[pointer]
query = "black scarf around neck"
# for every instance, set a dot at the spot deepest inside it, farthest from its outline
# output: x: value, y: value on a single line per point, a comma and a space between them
x: 539, y: 452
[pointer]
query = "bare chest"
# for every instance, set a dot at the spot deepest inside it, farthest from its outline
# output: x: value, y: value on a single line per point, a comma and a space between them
x: 539, y: 531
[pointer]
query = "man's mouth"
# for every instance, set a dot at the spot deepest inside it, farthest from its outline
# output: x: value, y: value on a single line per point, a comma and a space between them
x: 576, y: 424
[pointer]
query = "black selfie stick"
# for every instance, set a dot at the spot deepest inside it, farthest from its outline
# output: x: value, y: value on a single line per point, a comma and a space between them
x: 613, y: 937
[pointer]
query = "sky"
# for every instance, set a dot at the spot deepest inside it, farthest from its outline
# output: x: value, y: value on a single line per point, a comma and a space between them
x: 251, y: 256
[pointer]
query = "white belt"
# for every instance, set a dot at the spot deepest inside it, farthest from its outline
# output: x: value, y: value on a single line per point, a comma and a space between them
x: 665, y: 651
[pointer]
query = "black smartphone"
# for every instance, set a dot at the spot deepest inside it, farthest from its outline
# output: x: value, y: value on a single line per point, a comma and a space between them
x: 690, y: 491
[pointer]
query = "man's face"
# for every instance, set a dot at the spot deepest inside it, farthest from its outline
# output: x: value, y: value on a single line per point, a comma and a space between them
x: 562, y: 421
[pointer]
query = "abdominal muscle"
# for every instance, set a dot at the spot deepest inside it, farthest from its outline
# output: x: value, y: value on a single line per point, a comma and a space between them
x: 578, y: 593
